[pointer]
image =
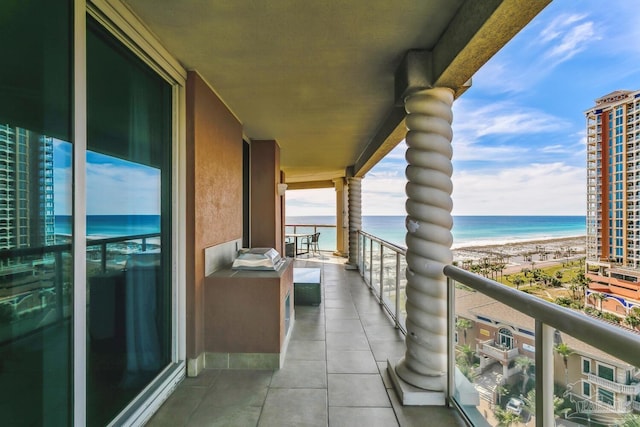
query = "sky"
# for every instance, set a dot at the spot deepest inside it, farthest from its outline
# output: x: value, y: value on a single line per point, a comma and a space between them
x: 519, y: 144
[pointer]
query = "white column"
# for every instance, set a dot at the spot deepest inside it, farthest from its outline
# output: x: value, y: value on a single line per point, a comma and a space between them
x: 341, y: 217
x: 428, y: 238
x: 355, y: 218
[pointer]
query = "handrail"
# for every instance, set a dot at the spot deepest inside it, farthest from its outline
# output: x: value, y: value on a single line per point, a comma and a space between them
x: 549, y: 318
x: 57, y: 251
x: 618, y: 342
x: 400, y: 249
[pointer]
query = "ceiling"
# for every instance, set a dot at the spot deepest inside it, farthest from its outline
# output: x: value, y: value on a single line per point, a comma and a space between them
x: 319, y: 76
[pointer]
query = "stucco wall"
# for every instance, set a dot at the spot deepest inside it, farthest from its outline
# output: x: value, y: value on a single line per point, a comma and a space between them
x: 214, y: 193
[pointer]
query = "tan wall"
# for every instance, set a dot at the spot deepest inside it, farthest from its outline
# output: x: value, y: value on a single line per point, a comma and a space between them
x: 214, y: 192
x: 266, y: 204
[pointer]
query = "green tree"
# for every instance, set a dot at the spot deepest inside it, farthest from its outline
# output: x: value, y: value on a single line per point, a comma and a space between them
x: 464, y: 325
x: 505, y: 418
x: 632, y: 321
x: 599, y: 296
x: 525, y: 364
x: 631, y: 420
x: 565, y: 351
x: 466, y: 354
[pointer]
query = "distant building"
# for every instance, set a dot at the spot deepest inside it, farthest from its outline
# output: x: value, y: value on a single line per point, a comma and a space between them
x: 613, y: 201
x: 594, y: 381
x: 26, y: 189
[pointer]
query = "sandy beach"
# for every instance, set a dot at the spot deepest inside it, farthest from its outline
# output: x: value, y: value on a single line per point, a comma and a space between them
x: 519, y: 255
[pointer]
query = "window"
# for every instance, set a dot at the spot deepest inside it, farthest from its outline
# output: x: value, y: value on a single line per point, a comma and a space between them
x: 35, y: 89
x: 129, y: 132
x: 606, y: 372
x: 586, y: 389
x: 586, y: 366
x: 605, y: 396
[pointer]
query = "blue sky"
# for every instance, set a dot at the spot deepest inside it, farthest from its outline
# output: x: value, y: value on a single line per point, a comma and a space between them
x: 114, y: 186
x: 519, y: 131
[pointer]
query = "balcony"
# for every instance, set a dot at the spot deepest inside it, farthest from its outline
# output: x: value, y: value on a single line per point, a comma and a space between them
x: 497, y: 351
x: 334, y: 372
x: 340, y: 349
x: 632, y: 389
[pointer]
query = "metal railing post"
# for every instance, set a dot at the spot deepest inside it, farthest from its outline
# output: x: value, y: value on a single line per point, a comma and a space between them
x: 451, y: 350
x: 544, y: 374
x: 103, y: 257
x: 397, y: 316
x: 381, y: 273
x: 371, y: 263
x: 59, y: 287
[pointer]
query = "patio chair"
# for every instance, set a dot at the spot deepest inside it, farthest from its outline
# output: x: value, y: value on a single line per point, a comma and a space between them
x: 312, y: 243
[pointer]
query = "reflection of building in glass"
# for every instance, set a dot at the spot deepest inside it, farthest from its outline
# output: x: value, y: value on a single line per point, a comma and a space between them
x: 26, y: 189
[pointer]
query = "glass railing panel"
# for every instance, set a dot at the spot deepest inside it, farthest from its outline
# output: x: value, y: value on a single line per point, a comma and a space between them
x: 375, y: 267
x: 494, y: 346
x: 402, y: 291
x: 366, y: 260
x: 591, y: 387
x: 388, y: 276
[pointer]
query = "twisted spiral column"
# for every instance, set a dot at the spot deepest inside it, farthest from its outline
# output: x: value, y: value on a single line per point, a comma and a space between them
x: 355, y: 217
x: 428, y: 237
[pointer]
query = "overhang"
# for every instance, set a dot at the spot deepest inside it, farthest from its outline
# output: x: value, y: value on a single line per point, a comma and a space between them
x: 320, y: 77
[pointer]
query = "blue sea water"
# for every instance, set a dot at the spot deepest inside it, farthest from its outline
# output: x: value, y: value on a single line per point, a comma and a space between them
x: 467, y: 230
x: 111, y: 225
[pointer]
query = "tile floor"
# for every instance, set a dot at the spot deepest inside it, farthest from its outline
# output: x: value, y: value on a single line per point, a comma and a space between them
x: 334, y: 372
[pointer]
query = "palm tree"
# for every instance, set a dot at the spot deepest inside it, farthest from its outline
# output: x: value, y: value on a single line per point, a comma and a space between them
x: 632, y: 321
x: 525, y: 364
x: 518, y: 281
x: 599, y: 296
x: 505, y: 418
x: 631, y: 420
x: 464, y: 324
x: 466, y: 354
x: 565, y: 351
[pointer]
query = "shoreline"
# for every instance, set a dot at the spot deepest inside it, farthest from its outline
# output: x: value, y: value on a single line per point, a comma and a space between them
x: 541, y: 252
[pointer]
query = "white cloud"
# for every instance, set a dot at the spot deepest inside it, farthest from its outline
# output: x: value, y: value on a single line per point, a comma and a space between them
x: 573, y: 42
x: 555, y: 28
x: 474, y: 122
x: 318, y: 202
x: 120, y: 189
x: 537, y: 189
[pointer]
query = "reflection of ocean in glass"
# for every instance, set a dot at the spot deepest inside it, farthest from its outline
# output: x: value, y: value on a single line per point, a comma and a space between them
x: 112, y: 225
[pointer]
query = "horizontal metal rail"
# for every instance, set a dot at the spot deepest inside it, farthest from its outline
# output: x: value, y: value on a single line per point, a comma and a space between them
x: 401, y: 250
x: 618, y: 342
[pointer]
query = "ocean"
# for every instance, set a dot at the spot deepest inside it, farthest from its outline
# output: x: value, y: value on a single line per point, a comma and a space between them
x: 467, y: 230
x: 103, y: 226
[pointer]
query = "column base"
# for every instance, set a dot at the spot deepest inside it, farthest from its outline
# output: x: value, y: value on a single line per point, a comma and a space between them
x: 413, y: 396
x: 350, y: 266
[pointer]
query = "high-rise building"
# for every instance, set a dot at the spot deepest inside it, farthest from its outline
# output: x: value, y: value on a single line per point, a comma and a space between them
x: 613, y: 196
x: 26, y: 189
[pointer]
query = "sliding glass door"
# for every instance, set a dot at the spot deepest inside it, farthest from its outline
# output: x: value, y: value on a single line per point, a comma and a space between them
x: 36, y: 286
x: 48, y: 366
x: 128, y: 204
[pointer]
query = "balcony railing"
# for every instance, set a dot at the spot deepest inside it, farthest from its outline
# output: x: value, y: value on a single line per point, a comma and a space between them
x: 382, y: 265
x: 327, y: 240
x: 376, y: 257
x: 496, y: 351
x: 632, y: 389
x: 35, y: 282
